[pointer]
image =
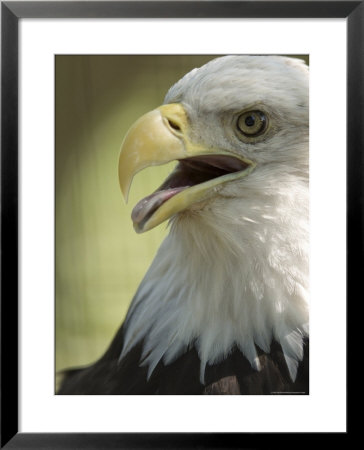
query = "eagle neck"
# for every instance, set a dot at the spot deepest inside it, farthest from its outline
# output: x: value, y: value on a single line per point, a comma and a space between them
x: 216, y: 283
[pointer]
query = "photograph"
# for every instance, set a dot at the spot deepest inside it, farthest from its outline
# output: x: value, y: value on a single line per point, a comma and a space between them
x: 182, y: 224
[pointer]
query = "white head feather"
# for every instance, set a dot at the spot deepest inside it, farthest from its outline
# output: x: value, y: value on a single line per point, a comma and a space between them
x: 234, y: 270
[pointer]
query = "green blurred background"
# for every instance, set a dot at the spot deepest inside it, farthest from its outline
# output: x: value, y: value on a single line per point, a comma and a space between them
x: 100, y: 260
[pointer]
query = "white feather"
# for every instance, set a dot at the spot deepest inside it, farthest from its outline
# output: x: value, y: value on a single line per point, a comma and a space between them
x: 234, y: 270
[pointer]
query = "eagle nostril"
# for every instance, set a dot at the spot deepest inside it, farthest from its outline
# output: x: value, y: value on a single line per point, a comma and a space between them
x: 174, y: 125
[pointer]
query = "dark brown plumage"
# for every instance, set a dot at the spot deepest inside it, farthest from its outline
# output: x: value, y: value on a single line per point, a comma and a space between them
x: 234, y: 375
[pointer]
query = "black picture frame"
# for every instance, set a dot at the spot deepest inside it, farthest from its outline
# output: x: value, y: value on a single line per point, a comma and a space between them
x: 11, y: 13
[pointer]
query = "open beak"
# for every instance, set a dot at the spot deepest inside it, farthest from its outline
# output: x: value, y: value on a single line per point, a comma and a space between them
x: 162, y: 136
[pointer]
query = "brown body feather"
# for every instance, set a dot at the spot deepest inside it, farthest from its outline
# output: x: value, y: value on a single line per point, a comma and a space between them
x: 234, y: 375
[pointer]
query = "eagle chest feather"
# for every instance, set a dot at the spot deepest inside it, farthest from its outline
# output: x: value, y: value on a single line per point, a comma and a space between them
x: 233, y: 376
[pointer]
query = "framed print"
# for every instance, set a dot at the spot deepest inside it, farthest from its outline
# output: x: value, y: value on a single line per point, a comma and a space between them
x: 75, y: 77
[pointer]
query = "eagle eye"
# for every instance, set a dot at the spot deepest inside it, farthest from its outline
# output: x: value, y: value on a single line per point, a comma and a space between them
x: 252, y: 123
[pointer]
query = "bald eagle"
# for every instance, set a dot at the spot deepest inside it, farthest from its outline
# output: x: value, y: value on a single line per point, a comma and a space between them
x: 223, y: 308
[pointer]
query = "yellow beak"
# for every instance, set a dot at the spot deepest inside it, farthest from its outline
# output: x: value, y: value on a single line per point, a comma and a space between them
x: 159, y: 137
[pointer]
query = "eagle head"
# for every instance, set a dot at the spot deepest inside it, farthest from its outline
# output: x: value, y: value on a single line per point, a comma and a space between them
x: 234, y: 269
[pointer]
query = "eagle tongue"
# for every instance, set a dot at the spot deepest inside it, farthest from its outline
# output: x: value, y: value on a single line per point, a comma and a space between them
x: 148, y: 205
